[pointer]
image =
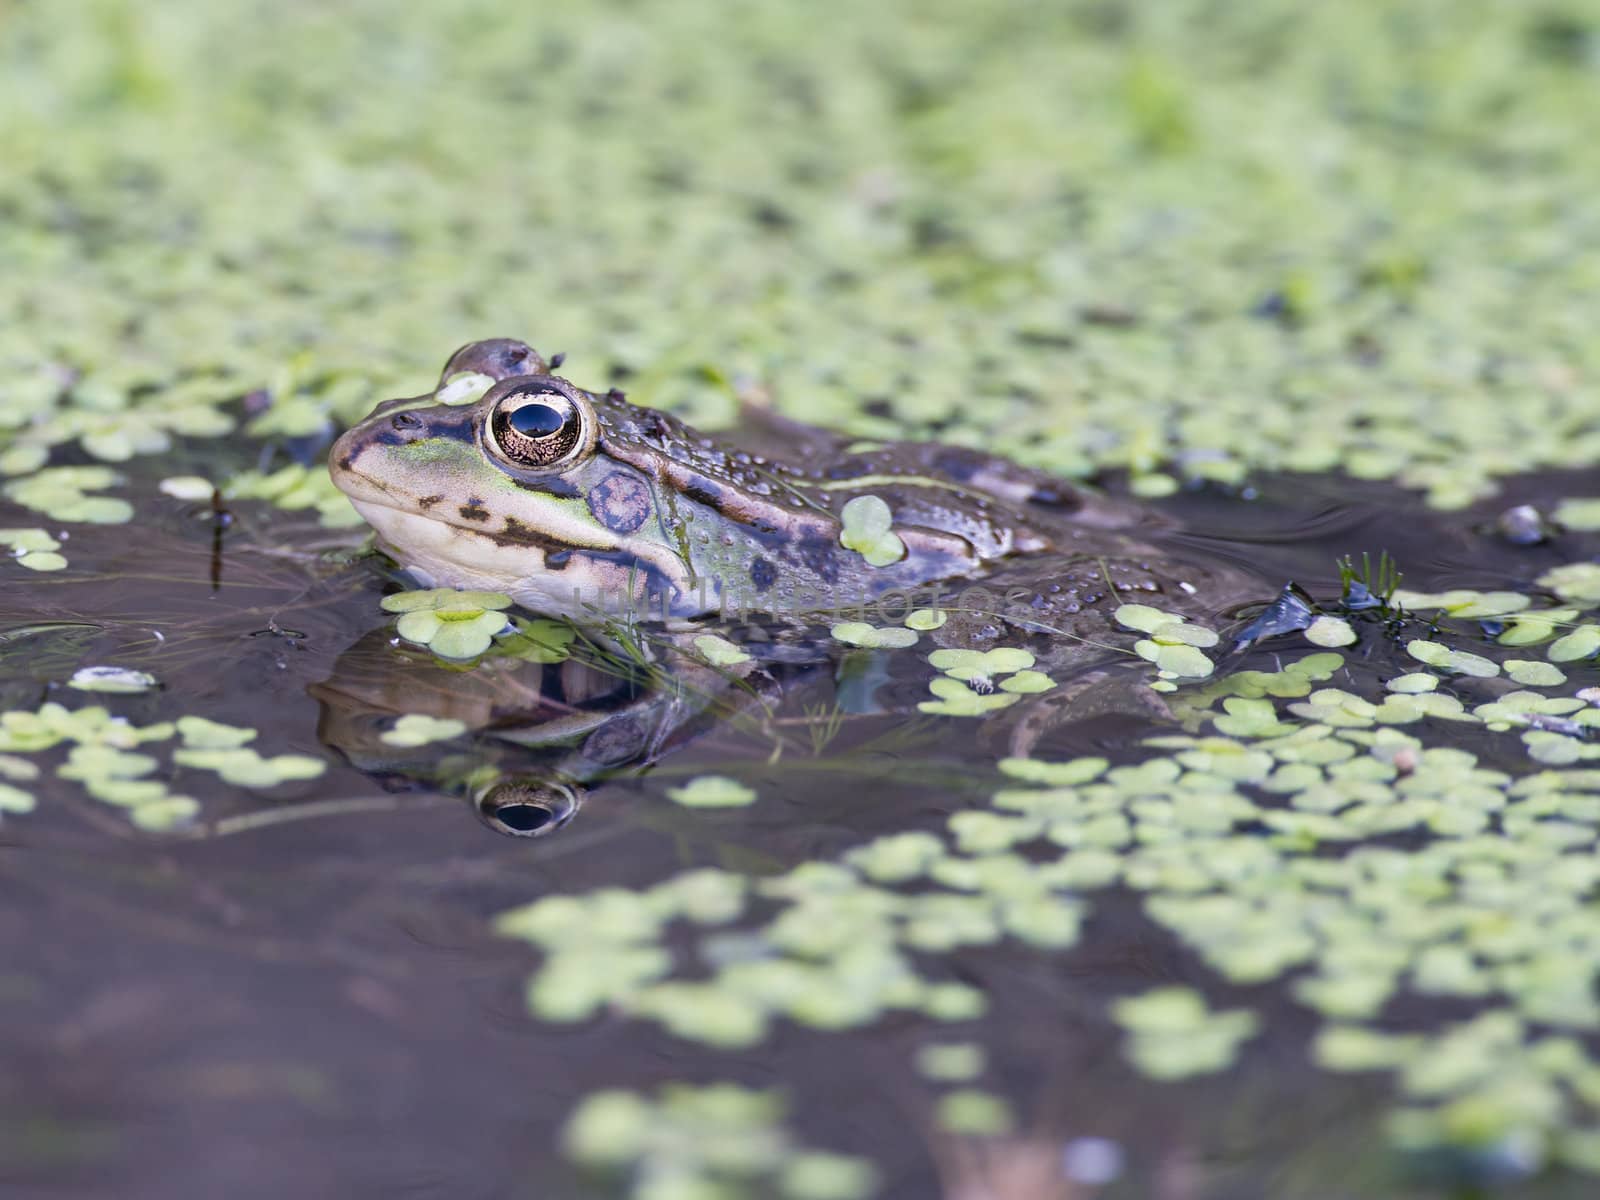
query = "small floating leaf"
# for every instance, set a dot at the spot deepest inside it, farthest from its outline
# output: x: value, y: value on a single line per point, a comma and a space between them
x: 418, y: 729
x: 951, y: 1062
x: 1582, y: 642
x: 464, y: 387
x: 719, y: 651
x: 195, y: 488
x: 973, y: 1112
x: 1532, y: 673
x: 926, y: 619
x: 859, y: 633
x: 866, y: 530
x: 212, y: 735
x: 1437, y: 655
x: 1330, y: 631
x: 15, y: 800
x: 712, y: 791
x: 1027, y: 682
x: 467, y: 603
x: 117, y: 680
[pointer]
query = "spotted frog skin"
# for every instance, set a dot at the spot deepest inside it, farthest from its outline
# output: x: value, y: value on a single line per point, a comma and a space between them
x: 511, y: 478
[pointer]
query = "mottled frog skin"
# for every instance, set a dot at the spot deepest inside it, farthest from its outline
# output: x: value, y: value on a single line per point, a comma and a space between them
x: 511, y: 478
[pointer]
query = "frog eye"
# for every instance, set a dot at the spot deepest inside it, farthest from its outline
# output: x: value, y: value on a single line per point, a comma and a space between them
x: 538, y: 427
x: 526, y: 807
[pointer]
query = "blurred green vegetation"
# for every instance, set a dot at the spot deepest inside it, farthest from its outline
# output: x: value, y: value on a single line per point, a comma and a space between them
x: 1185, y: 237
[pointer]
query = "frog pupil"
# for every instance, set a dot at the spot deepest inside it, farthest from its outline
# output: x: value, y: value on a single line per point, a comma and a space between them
x: 536, y: 420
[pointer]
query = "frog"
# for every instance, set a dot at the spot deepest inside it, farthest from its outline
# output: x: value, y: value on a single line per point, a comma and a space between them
x: 572, y: 501
x: 582, y: 505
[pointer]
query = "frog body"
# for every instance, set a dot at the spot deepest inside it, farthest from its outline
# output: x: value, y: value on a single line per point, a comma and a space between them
x: 574, y: 502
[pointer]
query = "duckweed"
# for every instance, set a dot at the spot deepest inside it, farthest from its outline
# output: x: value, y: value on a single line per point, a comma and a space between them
x: 33, y: 548
x: 63, y: 493
x: 193, y: 488
x: 295, y: 487
x: 244, y: 767
x: 453, y: 624
x: 539, y: 640
x: 951, y: 1062
x: 1174, y: 644
x: 121, y: 680
x: 975, y: 1112
x: 875, y: 637
x: 103, y: 758
x: 975, y: 682
x: 417, y: 729
x: 865, y: 528
x: 1330, y: 632
x: 926, y: 619
x: 1479, y: 908
x: 1173, y: 1034
x: 712, y: 1140
x: 712, y: 791
x: 720, y: 652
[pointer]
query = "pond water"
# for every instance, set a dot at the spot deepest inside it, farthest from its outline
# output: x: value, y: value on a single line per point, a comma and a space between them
x: 300, y: 987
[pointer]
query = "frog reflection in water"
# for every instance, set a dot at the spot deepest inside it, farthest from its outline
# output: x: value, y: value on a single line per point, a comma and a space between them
x: 513, y: 479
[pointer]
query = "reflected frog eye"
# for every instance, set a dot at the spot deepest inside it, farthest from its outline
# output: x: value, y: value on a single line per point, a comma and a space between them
x: 539, y: 427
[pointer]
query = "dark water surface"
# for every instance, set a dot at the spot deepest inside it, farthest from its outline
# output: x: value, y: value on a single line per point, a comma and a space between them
x: 305, y: 997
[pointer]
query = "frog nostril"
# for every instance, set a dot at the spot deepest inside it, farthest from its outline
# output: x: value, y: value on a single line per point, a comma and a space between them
x: 406, y: 420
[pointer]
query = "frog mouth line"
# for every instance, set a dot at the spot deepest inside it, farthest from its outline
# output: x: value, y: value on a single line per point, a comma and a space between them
x: 512, y: 535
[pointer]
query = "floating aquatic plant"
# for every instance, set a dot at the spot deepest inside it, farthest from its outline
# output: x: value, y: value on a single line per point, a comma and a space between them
x: 453, y: 624
x: 33, y: 548
x: 867, y: 522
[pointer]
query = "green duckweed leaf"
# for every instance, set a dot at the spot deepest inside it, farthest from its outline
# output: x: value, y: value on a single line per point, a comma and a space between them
x: 1027, y: 683
x: 1531, y: 673
x: 212, y: 735
x: 1575, y: 582
x: 974, y: 1113
x: 463, y: 603
x: 15, y: 800
x: 115, y: 680
x: 1445, y: 658
x: 712, y: 791
x: 859, y: 633
x: 165, y: 814
x: 62, y: 492
x: 417, y: 729
x: 244, y: 767
x: 720, y: 652
x: 957, y: 699
x: 1144, y: 618
x: 1582, y: 642
x: 196, y: 489
x: 464, y: 387
x: 866, y: 530
x: 951, y: 1062
x: 815, y: 1175
x: 1330, y: 631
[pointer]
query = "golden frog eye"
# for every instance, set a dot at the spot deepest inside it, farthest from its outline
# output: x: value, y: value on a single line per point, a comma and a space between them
x: 538, y: 426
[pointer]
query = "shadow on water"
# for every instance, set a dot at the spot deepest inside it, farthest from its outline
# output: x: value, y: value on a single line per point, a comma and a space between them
x: 304, y: 996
